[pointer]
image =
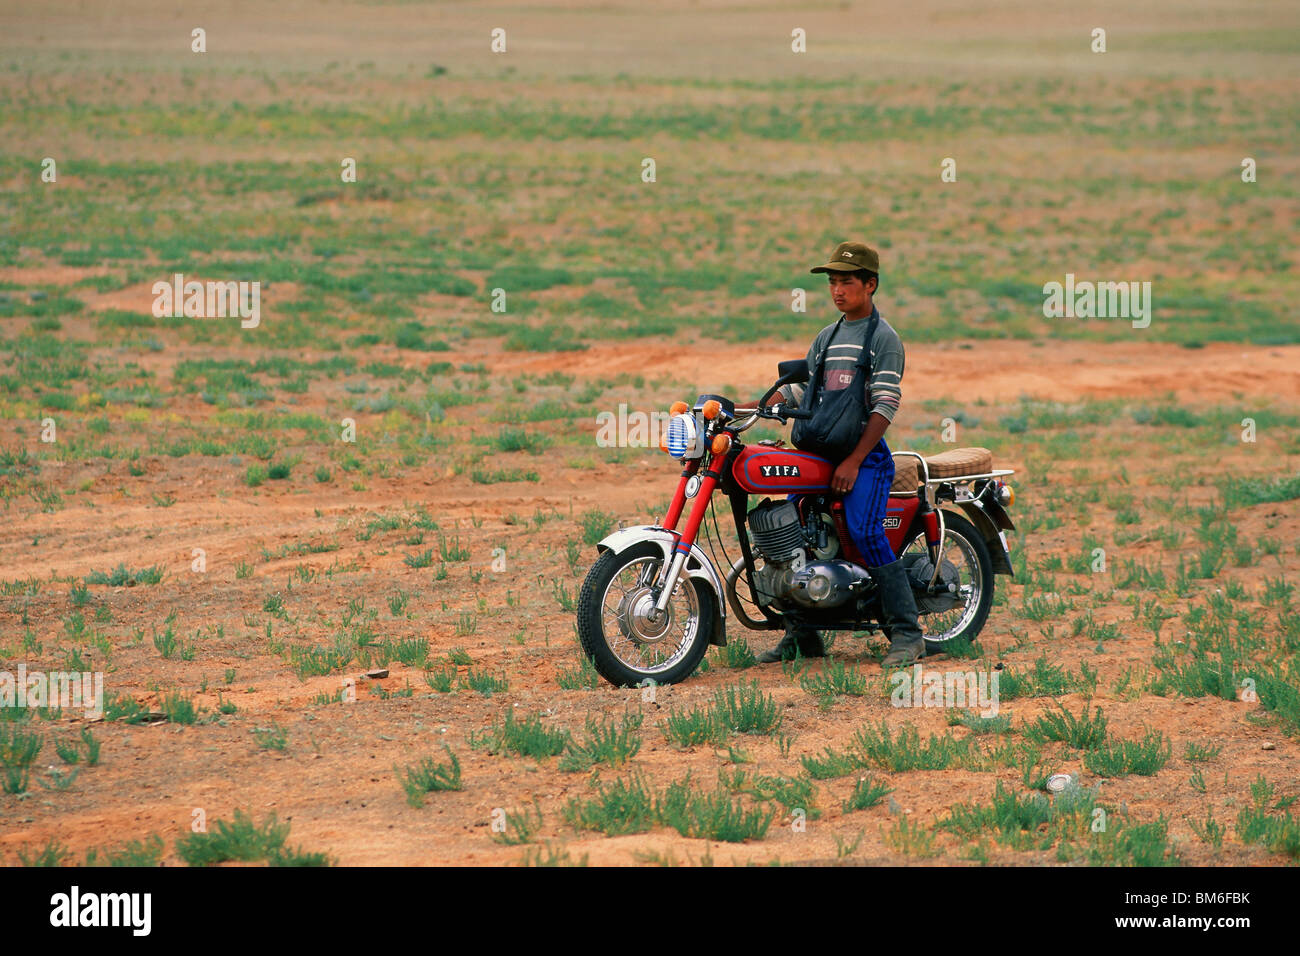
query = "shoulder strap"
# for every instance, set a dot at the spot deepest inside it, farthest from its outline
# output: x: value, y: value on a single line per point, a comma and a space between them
x: 821, y: 363
x: 864, y: 362
x: 821, y: 356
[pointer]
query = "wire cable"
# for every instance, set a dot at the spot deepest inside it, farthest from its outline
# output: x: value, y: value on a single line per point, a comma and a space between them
x: 718, y: 532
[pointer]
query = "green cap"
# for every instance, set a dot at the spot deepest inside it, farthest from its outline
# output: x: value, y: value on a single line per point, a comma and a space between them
x: 851, y: 256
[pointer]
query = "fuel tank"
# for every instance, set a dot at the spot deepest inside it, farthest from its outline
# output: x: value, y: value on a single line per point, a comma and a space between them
x: 761, y: 469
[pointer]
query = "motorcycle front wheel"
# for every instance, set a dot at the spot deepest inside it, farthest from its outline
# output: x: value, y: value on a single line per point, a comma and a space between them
x: 626, y: 641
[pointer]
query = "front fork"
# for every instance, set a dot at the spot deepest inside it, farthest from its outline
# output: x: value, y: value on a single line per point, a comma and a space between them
x: 699, y: 503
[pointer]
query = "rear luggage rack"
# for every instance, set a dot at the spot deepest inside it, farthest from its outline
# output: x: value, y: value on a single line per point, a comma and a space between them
x: 923, y: 469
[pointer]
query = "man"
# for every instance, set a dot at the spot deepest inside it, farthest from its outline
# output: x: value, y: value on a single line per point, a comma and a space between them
x: 864, y: 477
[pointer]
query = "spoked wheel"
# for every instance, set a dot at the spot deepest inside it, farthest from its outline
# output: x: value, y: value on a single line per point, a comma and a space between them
x: 626, y: 639
x: 965, y: 562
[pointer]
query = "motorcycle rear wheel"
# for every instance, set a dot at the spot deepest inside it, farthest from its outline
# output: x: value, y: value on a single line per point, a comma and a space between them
x: 626, y: 645
x: 967, y: 551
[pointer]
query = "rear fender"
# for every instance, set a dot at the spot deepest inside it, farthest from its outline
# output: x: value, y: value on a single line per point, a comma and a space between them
x: 990, y: 518
x: 697, y: 566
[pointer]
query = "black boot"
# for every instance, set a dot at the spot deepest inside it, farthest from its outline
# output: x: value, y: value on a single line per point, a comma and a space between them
x: 898, y: 615
x: 806, y: 640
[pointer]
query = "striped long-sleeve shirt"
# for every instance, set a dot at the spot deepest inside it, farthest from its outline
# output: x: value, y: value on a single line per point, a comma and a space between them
x: 885, y: 388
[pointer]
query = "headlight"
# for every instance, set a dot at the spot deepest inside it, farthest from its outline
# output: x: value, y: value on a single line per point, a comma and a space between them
x: 684, y: 437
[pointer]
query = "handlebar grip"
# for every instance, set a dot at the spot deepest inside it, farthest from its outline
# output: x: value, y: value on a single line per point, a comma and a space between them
x: 795, y: 413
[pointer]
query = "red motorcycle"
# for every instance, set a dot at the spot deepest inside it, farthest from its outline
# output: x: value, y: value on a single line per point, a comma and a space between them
x: 654, y: 600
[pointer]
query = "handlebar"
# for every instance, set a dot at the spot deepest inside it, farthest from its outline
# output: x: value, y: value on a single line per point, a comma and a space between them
x: 792, y: 372
x: 782, y: 414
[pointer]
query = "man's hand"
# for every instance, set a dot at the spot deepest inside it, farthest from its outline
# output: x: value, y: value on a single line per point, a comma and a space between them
x: 846, y: 475
x: 753, y: 406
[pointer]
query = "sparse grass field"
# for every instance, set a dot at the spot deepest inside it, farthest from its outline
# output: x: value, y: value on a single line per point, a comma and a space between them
x: 337, y: 554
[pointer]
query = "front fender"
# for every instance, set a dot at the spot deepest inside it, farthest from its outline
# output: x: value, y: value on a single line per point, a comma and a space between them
x: 697, y: 566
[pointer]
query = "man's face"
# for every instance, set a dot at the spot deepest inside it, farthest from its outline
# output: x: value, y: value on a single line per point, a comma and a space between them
x: 850, y: 293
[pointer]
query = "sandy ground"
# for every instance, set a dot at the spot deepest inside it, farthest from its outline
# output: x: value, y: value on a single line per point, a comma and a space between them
x: 335, y: 780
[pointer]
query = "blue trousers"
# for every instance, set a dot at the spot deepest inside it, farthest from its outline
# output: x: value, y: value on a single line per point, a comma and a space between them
x: 864, y: 506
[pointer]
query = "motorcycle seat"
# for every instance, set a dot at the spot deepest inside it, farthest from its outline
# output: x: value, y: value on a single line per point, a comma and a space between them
x: 949, y: 464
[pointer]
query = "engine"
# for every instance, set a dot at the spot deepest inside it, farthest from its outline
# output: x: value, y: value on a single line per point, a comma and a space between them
x: 799, y: 566
x: 776, y: 530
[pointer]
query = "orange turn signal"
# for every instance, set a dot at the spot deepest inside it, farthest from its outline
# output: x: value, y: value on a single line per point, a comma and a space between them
x: 679, y: 408
x: 721, y: 443
x: 711, y: 408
